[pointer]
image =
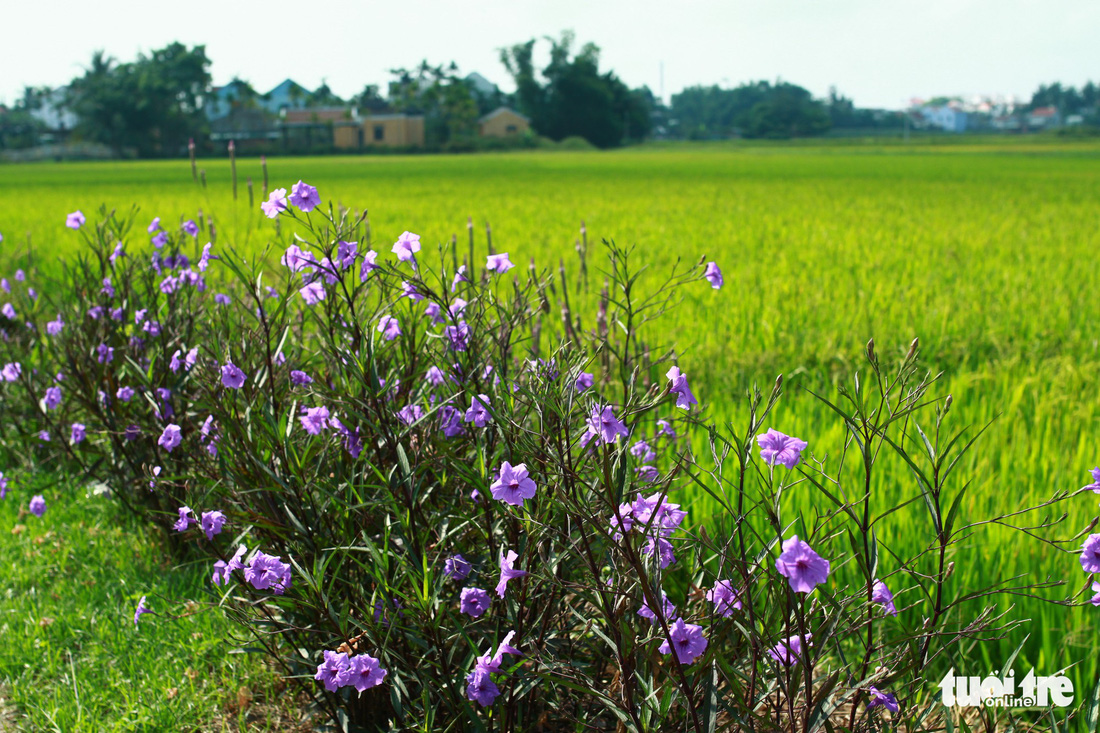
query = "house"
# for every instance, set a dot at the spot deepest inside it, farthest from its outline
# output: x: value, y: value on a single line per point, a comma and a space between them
x: 1044, y: 118
x: 287, y: 95
x: 250, y: 128
x: 945, y: 118
x: 380, y: 130
x: 503, y: 122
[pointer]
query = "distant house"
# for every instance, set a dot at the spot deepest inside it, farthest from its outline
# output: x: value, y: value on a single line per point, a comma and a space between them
x: 287, y: 95
x: 1044, y: 118
x: 380, y: 130
x: 315, y: 126
x: 945, y: 118
x: 248, y: 127
x: 503, y: 122
x: 225, y: 99
x: 1007, y: 123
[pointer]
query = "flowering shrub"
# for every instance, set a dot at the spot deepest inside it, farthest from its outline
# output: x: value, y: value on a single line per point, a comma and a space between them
x: 439, y: 498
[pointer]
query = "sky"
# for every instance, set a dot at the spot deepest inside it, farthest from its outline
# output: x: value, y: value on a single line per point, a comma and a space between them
x: 880, y: 53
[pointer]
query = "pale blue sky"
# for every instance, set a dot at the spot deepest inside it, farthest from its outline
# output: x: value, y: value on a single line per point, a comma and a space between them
x: 879, y: 52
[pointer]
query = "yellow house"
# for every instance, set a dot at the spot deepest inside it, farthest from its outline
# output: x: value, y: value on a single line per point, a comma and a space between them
x: 503, y: 122
x: 390, y: 130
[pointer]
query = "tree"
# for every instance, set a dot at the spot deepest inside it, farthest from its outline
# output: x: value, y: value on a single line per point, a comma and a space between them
x: 576, y: 99
x: 153, y: 104
x: 323, y: 96
x: 757, y: 109
x: 444, y: 98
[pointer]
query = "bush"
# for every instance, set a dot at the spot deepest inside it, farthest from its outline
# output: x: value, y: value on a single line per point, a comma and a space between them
x: 441, y: 497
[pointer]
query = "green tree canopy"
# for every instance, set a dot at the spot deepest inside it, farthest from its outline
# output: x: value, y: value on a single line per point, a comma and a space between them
x: 573, y: 97
x: 757, y: 109
x: 153, y: 104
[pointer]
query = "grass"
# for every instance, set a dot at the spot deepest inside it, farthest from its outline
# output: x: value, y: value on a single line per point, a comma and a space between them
x: 71, y: 657
x: 983, y: 248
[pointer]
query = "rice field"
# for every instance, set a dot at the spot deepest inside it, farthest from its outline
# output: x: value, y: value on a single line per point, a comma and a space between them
x: 985, y: 250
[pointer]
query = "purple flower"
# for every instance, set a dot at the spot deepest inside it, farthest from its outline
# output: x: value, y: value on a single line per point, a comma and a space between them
x: 603, y: 424
x: 107, y: 289
x: 300, y: 378
x: 1095, y: 585
x: 643, y: 451
x: 212, y: 523
x: 513, y: 485
x: 221, y: 299
x: 11, y: 371
x: 305, y: 197
x: 450, y: 421
x: 881, y: 699
x: 648, y: 474
x: 52, y: 398
x: 478, y: 413
x: 881, y: 594
x: 456, y: 567
x: 313, y: 292
x: 481, y: 688
x: 457, y: 335
x: 369, y: 263
x: 678, y: 383
x: 268, y: 571
x: 170, y: 438
x: 584, y: 381
x: 314, y: 419
x: 223, y: 570
x: 473, y: 602
x: 775, y: 447
x: 8, y: 310
x: 125, y: 394
x: 151, y: 327
x: 205, y: 257
x: 685, y: 641
x: 131, y: 433
x: 294, y: 259
x: 434, y: 312
x: 714, y: 275
x: 154, y: 226
x: 1090, y: 554
x: 191, y: 358
x: 460, y: 277
x: 275, y: 203
x: 159, y: 239
x: 406, y: 247
x: 232, y: 376
x: 435, y: 376
x: 508, y: 571
x: 364, y: 673
x: 789, y: 649
x: 389, y: 327
x: 44, y: 436
x: 37, y: 506
x: 408, y: 290
x: 1095, y: 485
x: 141, y: 609
x: 334, y: 671
x: 725, y: 598
x: 190, y: 228
x: 3, y: 485
x: 105, y: 354
x: 499, y: 264
x: 78, y: 433
x: 75, y: 220
x: 346, y: 252
x: 95, y: 312
x: 667, y: 611
x: 801, y: 566
x: 53, y: 328
x: 410, y: 414
x: 185, y: 520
